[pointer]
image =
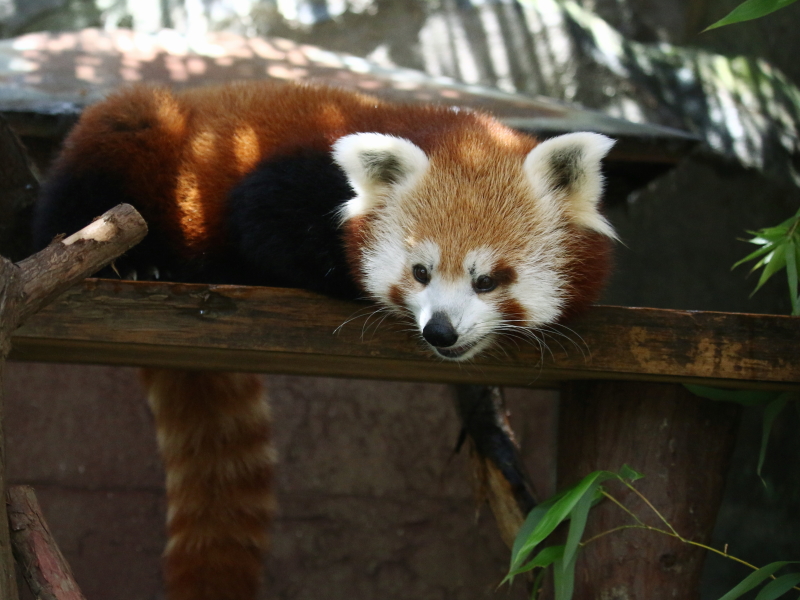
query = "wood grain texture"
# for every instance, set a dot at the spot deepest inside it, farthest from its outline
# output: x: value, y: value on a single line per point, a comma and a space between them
x: 10, y: 294
x: 47, y: 572
x: 297, y: 332
x: 46, y: 274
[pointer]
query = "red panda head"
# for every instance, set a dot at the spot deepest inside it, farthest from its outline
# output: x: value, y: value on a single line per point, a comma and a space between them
x: 481, y: 235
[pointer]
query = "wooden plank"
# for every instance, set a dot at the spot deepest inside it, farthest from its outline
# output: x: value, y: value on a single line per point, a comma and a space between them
x: 297, y: 332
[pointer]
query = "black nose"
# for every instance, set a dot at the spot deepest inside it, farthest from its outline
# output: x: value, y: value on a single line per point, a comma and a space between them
x: 439, y: 331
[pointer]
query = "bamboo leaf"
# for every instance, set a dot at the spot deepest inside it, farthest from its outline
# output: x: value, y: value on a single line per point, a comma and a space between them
x: 766, y: 249
x: 797, y: 269
x: 753, y: 580
x: 749, y: 10
x: 776, y: 261
x: 743, y: 397
x: 775, y: 233
x: 771, y: 411
x: 545, y: 558
x: 578, y: 523
x: 531, y: 522
x: 557, y: 513
x: 564, y: 578
x: 776, y: 589
x: 537, y: 584
x: 627, y: 473
x: 791, y: 274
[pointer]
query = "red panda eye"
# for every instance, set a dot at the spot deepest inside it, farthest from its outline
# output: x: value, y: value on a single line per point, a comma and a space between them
x: 421, y: 274
x: 484, y: 283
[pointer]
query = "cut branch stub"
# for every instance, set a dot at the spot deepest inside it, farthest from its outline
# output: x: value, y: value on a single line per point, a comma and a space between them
x: 64, y: 262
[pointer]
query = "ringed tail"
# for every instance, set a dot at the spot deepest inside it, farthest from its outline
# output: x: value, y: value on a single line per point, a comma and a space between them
x: 214, y: 435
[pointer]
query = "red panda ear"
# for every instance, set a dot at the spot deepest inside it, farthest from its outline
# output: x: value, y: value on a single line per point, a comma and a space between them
x: 374, y: 164
x: 566, y: 169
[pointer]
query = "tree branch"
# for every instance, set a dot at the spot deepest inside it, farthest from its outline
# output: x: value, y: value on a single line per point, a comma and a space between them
x: 44, y: 567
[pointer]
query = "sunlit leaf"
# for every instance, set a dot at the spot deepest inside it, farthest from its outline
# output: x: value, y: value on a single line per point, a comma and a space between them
x: 743, y: 397
x: 749, y: 10
x: 775, y: 262
x: 754, y: 579
x: 766, y: 249
x: 771, y: 411
x: 776, y: 589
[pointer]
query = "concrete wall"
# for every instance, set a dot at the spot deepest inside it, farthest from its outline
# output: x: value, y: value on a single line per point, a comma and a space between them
x: 373, y: 502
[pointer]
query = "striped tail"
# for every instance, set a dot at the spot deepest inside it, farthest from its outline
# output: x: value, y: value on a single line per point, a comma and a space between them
x: 214, y: 436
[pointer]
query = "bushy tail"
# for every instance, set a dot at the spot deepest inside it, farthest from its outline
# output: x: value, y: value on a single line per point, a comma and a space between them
x: 214, y: 435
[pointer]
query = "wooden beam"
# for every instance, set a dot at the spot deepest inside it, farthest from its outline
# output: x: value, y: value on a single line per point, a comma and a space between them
x: 296, y: 332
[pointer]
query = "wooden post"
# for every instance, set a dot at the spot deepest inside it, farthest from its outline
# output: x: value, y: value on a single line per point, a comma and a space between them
x: 682, y: 444
x: 35, y: 281
x: 9, y: 297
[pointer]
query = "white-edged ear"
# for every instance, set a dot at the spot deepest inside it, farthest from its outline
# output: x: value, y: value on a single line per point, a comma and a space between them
x: 567, y: 169
x: 375, y: 163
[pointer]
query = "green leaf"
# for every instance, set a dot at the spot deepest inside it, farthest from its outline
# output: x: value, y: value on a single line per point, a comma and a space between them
x: 531, y: 521
x: 578, y: 523
x: 749, y: 10
x: 556, y: 514
x: 776, y: 589
x: 537, y: 584
x: 564, y: 578
x: 754, y: 579
x: 627, y: 473
x: 774, y: 262
x: 777, y: 233
x: 791, y: 273
x: 545, y: 558
x: 743, y: 397
x: 771, y: 411
x: 559, y: 508
x: 765, y: 249
x: 797, y: 269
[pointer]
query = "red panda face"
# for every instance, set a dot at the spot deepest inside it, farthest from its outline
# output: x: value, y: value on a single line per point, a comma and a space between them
x: 474, y: 239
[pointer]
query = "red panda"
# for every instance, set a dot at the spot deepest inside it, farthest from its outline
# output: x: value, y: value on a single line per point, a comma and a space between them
x: 444, y: 216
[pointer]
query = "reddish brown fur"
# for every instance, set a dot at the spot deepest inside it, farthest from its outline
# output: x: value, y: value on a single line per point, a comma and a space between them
x: 396, y: 295
x: 587, y: 273
x: 214, y: 436
x: 504, y: 274
x: 180, y: 155
x: 181, y: 152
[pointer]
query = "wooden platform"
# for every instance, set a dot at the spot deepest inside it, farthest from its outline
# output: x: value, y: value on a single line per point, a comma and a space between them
x: 296, y: 332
